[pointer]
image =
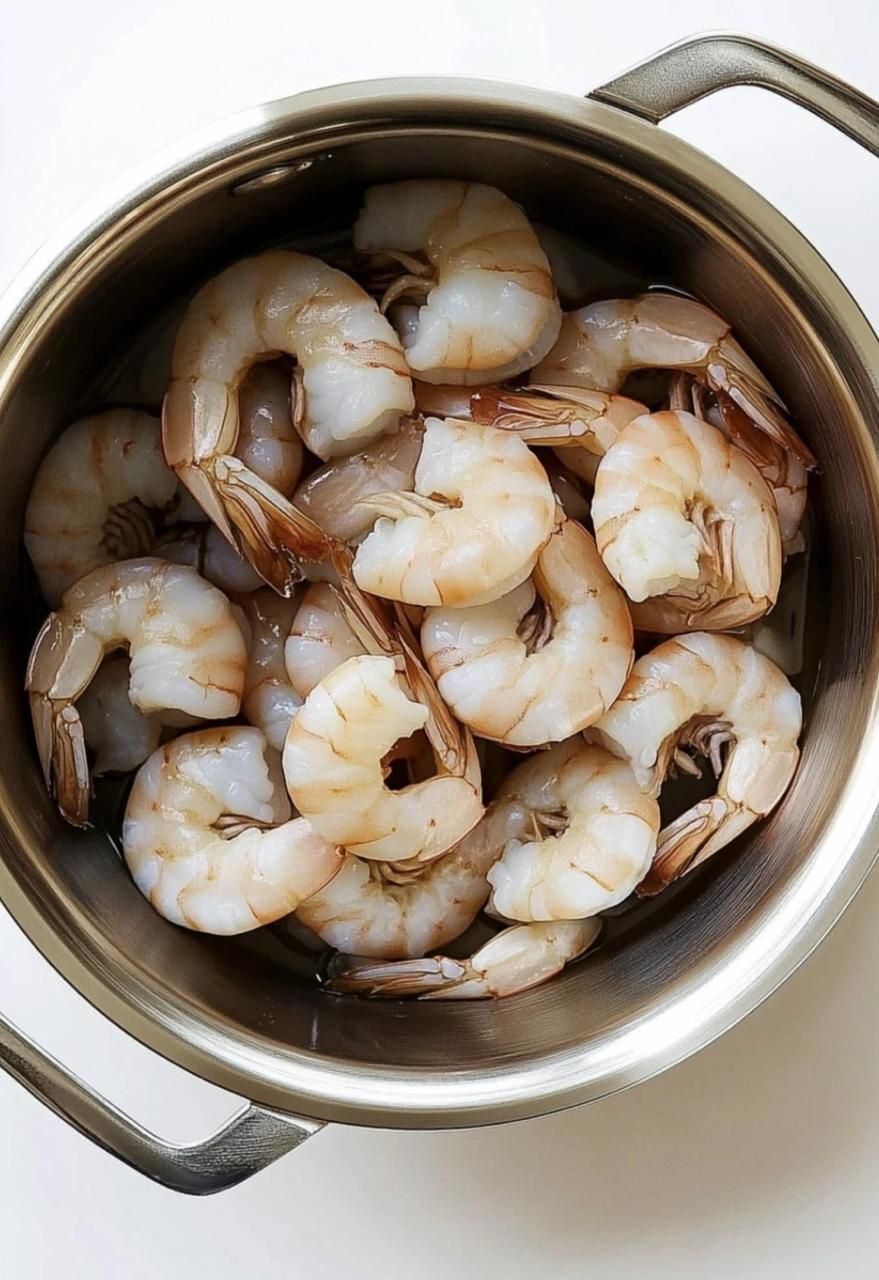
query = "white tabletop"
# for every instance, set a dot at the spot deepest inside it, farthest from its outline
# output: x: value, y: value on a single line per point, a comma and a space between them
x: 755, y: 1158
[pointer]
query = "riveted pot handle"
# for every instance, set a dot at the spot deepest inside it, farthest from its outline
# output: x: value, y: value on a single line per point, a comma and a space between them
x: 250, y: 1140
x: 694, y: 68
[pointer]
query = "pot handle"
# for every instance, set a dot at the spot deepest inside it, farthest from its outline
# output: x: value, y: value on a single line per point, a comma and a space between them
x: 253, y: 1138
x: 685, y: 72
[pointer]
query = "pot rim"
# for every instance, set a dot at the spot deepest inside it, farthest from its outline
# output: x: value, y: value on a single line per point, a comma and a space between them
x: 721, y: 990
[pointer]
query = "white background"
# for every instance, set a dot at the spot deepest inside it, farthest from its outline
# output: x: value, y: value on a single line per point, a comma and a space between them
x: 758, y: 1158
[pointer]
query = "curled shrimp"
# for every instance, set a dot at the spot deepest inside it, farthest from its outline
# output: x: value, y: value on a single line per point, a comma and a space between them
x: 680, y: 514
x: 600, y: 345
x: 592, y: 840
x: 782, y: 470
x: 270, y: 701
x: 709, y: 693
x: 513, y: 960
x: 490, y: 308
x: 95, y: 498
x: 543, y: 662
x: 186, y: 654
x: 120, y: 736
x: 473, y: 528
x: 319, y: 639
x: 201, y: 839
x: 332, y: 495
x: 353, y: 385
x: 333, y: 765
x: 365, y: 912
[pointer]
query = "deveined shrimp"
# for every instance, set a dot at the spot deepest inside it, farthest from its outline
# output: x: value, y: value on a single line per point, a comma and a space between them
x: 200, y: 839
x: 490, y: 306
x: 543, y: 662
x: 601, y: 344
x: 706, y: 692
x: 319, y: 639
x: 592, y: 840
x: 514, y: 960
x: 782, y: 470
x: 680, y: 514
x: 333, y: 766
x: 186, y: 653
x: 363, y: 912
x: 352, y: 374
x: 270, y: 701
x: 120, y: 736
x: 473, y: 528
x: 93, y: 495
x: 332, y: 494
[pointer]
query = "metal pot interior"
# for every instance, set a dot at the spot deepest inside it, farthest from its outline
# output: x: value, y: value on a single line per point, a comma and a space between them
x: 253, y: 1003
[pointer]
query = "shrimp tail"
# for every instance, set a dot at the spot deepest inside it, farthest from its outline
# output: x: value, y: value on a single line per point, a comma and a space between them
x: 681, y: 845
x: 433, y: 975
x: 452, y: 743
x: 366, y: 615
x: 266, y: 529
x: 411, y: 286
x: 379, y: 632
x: 61, y: 747
x: 513, y: 960
x: 536, y: 417
x: 731, y: 373
x: 398, y: 506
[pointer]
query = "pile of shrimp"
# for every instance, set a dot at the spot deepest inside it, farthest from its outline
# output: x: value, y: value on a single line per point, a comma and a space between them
x: 403, y: 613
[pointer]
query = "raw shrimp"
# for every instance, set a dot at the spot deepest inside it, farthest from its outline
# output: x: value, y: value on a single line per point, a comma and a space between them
x: 268, y: 443
x: 120, y: 736
x: 782, y: 470
x: 319, y: 639
x: 513, y: 960
x: 433, y: 400
x: 472, y: 530
x: 490, y: 306
x: 333, y: 766
x: 601, y: 344
x: 186, y: 652
x: 706, y: 692
x: 580, y: 424
x: 200, y: 839
x: 353, y: 377
x: 682, y: 515
x: 363, y: 912
x: 93, y: 496
x: 270, y: 700
x: 592, y: 840
x: 204, y: 548
x: 543, y: 662
x: 332, y: 495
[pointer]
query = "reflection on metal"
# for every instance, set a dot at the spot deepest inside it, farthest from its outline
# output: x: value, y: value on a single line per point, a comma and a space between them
x: 252, y: 1139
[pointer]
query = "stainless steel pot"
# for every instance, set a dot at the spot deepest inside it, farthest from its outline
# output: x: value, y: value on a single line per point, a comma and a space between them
x: 233, y: 1013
